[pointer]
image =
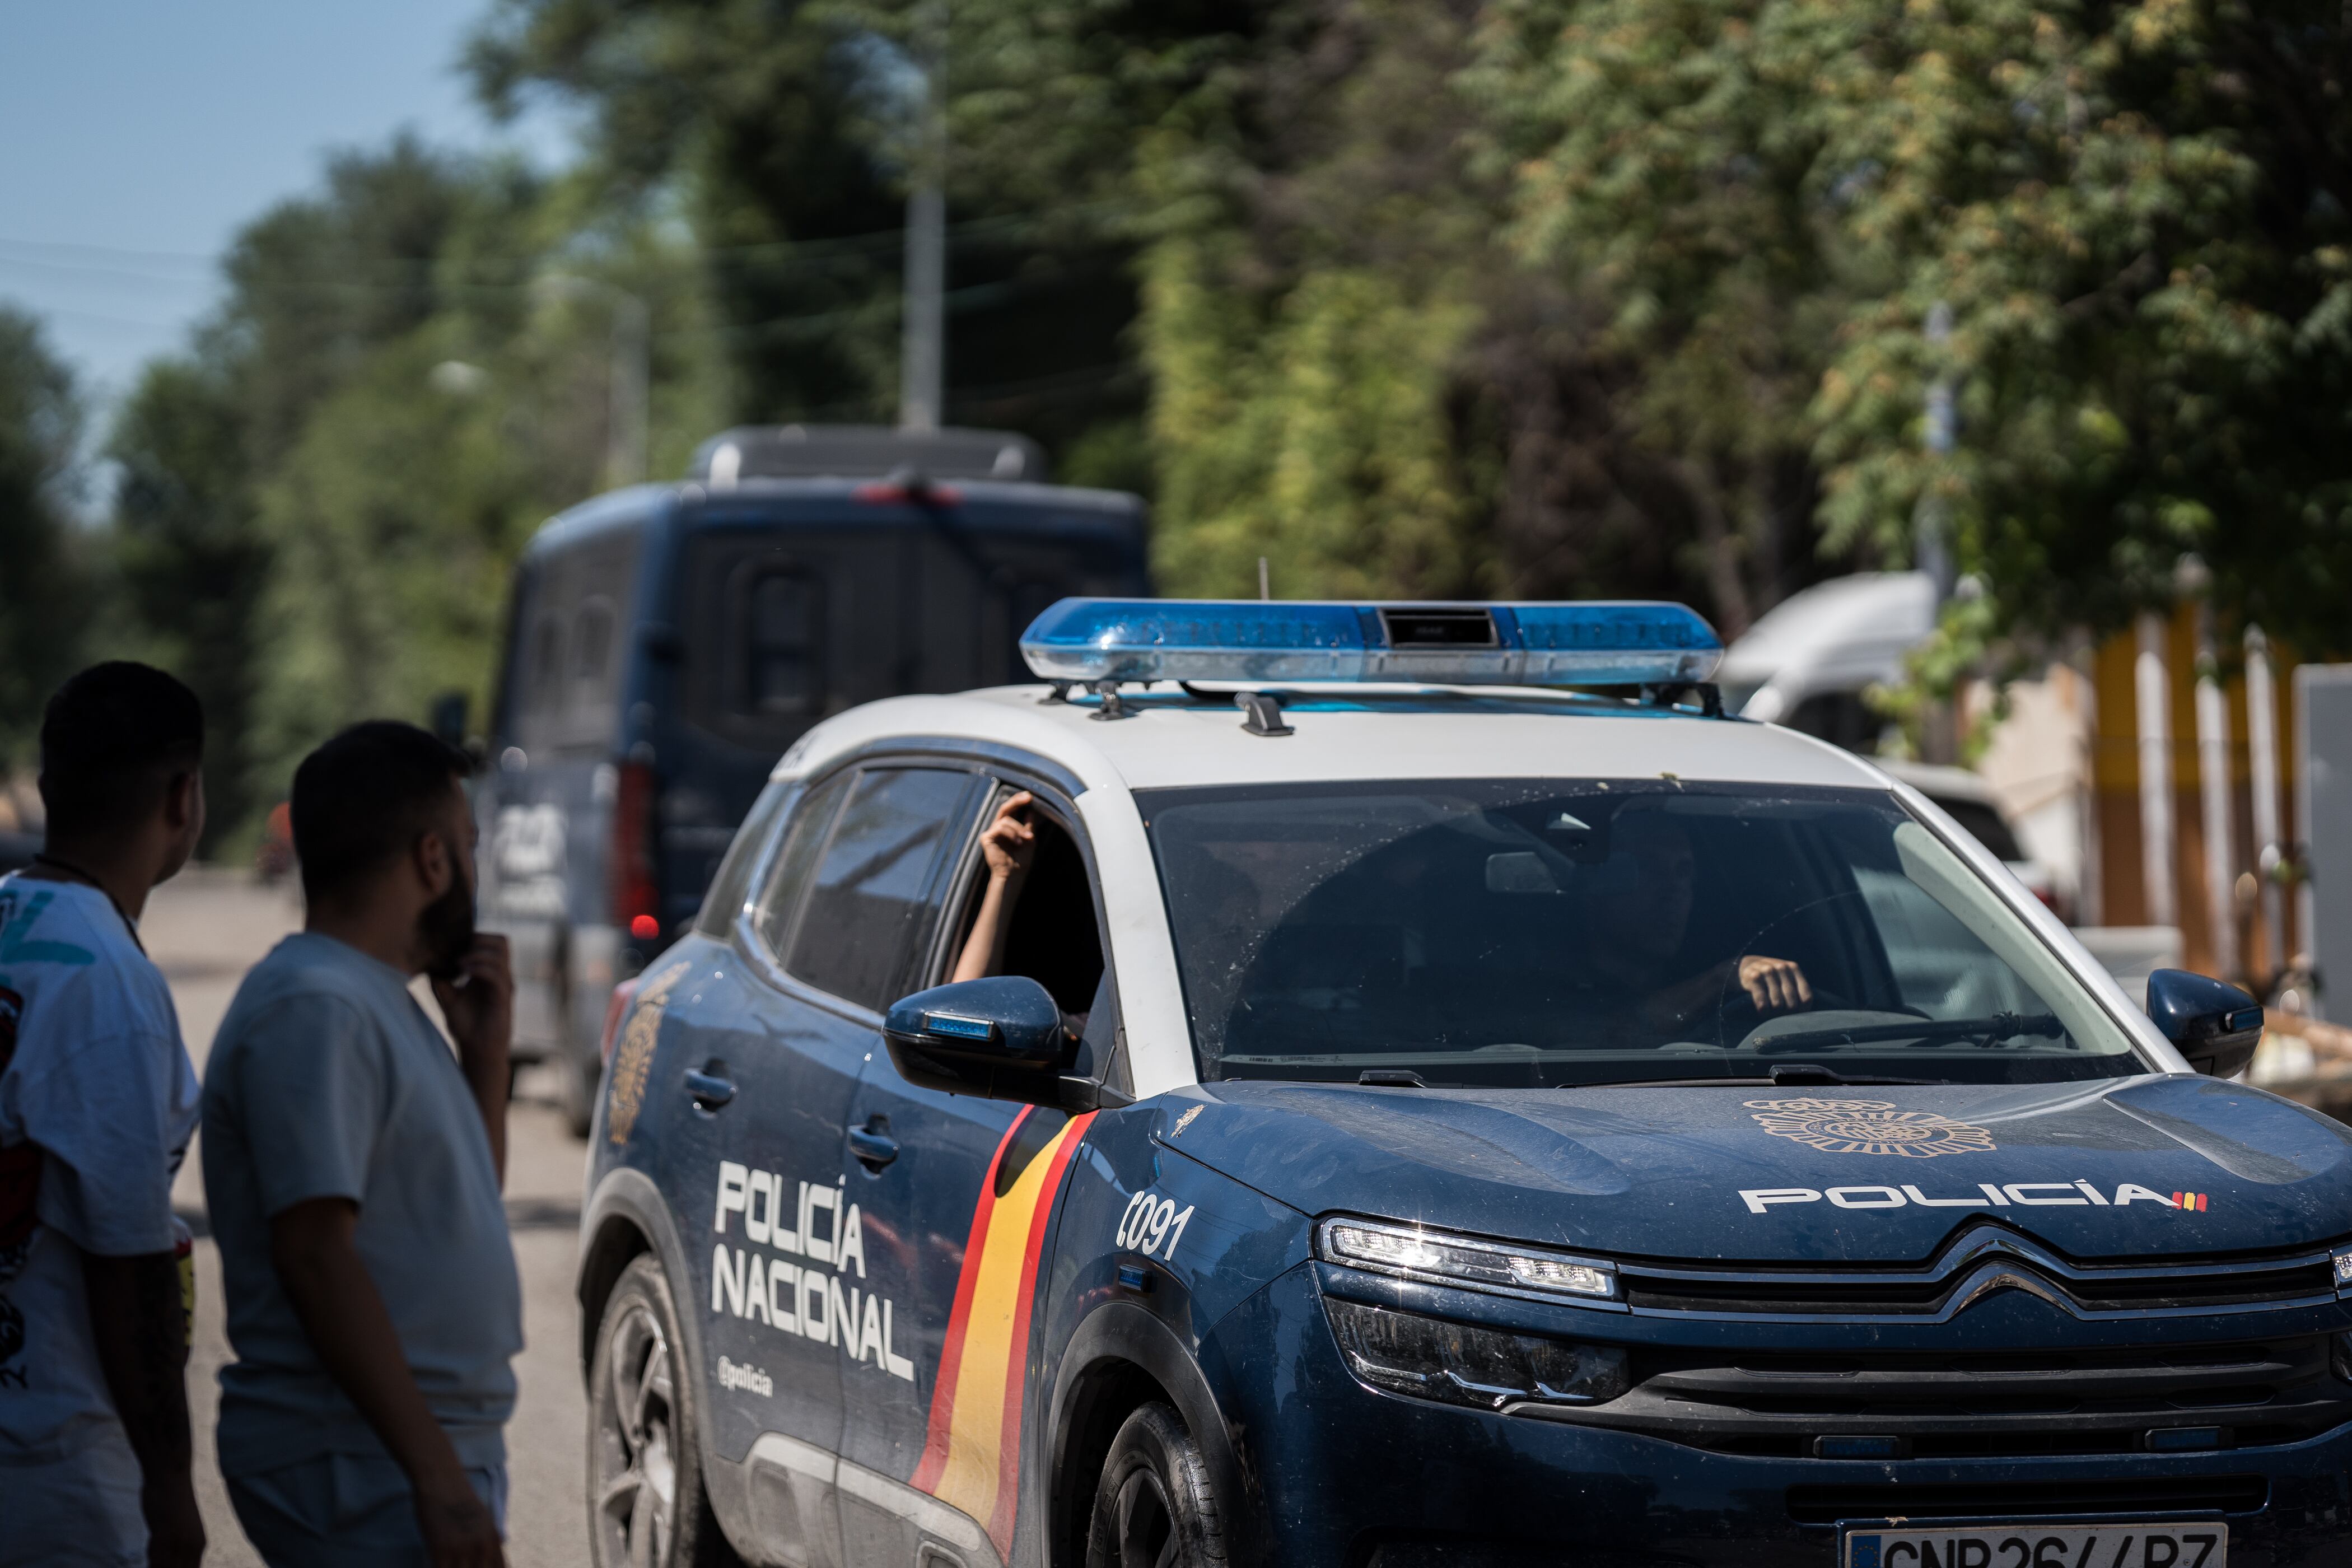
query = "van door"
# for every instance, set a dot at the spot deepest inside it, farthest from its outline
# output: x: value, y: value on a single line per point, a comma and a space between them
x: 961, y: 1193
x: 788, y: 1294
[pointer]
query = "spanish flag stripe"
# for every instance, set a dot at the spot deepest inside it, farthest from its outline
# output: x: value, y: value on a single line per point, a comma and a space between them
x: 1008, y: 1476
x: 935, y: 1440
x: 972, y: 1454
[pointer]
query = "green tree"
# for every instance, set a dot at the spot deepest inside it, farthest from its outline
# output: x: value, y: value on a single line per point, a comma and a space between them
x: 395, y: 522
x: 2136, y: 215
x: 46, y: 594
x: 412, y: 366
x: 778, y: 133
x: 192, y: 562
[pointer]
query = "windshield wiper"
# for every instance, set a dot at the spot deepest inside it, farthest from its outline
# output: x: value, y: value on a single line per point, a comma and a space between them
x: 1783, y: 1075
x: 1986, y: 1031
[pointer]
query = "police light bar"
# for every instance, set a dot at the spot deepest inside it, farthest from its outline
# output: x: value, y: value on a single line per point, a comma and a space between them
x: 1625, y: 643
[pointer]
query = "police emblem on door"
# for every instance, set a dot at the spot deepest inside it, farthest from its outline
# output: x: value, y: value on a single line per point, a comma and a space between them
x: 1868, y: 1127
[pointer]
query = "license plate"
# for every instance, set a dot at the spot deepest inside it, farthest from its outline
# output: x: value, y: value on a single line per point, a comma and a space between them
x: 2125, y: 1545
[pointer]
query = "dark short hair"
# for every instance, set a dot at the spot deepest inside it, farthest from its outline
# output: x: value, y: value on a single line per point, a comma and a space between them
x: 365, y: 797
x: 112, y: 739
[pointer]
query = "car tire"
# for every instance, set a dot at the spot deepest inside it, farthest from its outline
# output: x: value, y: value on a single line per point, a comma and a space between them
x: 576, y: 1086
x: 646, y: 1506
x: 1154, y: 1507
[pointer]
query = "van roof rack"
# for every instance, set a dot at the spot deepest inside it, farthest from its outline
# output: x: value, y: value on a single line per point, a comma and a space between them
x: 864, y: 452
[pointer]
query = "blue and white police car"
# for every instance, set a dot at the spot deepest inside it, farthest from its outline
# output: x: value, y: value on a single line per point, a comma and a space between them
x: 1415, y: 1086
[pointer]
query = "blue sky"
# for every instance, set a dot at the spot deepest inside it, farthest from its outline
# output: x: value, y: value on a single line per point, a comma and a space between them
x: 136, y: 136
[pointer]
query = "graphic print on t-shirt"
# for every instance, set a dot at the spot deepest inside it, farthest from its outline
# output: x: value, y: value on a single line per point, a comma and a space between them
x: 20, y: 1180
x: 20, y: 1165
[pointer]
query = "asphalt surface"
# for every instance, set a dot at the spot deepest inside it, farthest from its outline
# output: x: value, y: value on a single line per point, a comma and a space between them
x: 204, y: 928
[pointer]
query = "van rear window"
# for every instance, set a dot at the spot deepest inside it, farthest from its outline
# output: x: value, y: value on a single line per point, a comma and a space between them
x: 780, y: 663
x: 565, y: 690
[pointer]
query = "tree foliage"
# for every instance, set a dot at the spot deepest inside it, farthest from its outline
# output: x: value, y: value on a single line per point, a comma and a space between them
x: 45, y: 590
x: 780, y: 132
x: 2136, y: 216
x: 1541, y: 298
x: 320, y: 503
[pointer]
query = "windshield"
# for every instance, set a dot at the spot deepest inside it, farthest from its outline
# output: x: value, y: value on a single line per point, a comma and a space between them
x: 1499, y: 932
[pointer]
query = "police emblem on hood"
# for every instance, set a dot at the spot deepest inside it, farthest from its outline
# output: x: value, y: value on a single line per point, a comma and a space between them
x: 1868, y: 1127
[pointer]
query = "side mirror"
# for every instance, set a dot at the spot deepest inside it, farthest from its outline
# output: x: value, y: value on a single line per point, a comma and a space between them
x: 999, y: 1039
x: 2214, y: 1025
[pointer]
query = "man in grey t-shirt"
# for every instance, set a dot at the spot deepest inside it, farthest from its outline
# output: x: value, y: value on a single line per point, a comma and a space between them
x: 353, y: 1170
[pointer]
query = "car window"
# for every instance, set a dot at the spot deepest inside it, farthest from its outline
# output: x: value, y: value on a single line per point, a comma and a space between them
x: 1984, y: 824
x: 1841, y: 718
x: 1050, y: 933
x: 732, y: 885
x: 781, y: 645
x: 873, y: 879
x: 1500, y: 931
x: 572, y: 647
x: 780, y: 899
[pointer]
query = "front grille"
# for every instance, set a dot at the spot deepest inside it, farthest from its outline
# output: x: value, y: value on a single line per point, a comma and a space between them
x: 2028, y: 1499
x: 1977, y: 1404
x: 1984, y: 1258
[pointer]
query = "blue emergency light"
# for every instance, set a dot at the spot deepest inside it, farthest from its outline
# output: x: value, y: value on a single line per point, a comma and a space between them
x: 1625, y: 643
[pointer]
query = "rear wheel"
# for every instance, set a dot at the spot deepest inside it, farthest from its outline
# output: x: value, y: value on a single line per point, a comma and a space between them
x: 646, y: 1508
x: 576, y: 1083
x: 1154, y: 1508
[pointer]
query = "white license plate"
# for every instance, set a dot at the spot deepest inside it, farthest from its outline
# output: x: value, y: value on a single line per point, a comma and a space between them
x: 2122, y: 1545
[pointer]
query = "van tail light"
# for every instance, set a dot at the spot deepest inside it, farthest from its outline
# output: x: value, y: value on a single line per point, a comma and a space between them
x: 615, y: 1011
x: 636, y: 896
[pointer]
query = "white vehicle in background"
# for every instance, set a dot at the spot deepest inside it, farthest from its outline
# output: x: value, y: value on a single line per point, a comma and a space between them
x: 1807, y: 661
x: 1968, y: 800
x: 1807, y: 664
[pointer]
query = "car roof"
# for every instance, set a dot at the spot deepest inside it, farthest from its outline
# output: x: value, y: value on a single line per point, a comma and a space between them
x: 1172, y: 739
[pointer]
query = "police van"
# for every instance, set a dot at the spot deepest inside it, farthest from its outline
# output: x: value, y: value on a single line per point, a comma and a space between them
x: 1392, y: 1085
x: 668, y: 642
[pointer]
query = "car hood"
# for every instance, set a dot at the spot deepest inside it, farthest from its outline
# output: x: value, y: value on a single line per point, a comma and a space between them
x: 2119, y: 1168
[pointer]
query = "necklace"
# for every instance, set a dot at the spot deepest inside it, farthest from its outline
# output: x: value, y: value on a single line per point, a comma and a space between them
x: 43, y: 857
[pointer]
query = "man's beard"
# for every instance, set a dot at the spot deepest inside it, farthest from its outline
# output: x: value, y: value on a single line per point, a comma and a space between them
x: 446, y: 926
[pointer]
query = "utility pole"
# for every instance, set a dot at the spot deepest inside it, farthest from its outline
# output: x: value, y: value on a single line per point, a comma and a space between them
x: 631, y: 371
x: 1931, y: 547
x: 2261, y: 744
x: 922, y: 360
x: 625, y: 447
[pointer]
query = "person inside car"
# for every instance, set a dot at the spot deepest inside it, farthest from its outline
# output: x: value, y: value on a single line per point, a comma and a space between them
x: 1010, y: 844
x: 1640, y: 912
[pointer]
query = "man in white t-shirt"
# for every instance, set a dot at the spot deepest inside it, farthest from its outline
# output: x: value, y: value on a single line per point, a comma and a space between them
x: 97, y: 1101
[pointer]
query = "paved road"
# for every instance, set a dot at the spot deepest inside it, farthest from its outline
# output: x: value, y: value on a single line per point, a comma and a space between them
x: 204, y: 928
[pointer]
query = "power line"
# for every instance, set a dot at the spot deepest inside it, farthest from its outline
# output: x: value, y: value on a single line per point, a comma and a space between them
x: 1009, y: 224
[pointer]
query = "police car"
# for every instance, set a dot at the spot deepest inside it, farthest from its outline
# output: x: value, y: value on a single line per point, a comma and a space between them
x: 1391, y: 1086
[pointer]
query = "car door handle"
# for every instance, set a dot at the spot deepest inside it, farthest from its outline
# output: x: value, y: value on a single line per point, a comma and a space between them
x: 873, y: 1144
x: 708, y: 1088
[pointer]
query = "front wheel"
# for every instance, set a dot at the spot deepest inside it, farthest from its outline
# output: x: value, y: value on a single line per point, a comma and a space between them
x: 1154, y: 1507
x: 576, y: 1086
x: 646, y: 1508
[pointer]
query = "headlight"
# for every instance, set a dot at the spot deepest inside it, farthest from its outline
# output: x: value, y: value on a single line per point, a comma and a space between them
x: 1483, y: 1368
x: 1444, y: 1258
x: 2343, y: 1261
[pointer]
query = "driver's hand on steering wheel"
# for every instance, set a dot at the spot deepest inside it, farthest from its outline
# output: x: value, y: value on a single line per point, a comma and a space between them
x: 1774, y: 984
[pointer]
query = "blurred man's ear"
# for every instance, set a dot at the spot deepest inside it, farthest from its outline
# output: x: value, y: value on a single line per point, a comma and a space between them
x: 434, y: 861
x: 183, y: 801
x: 184, y: 819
